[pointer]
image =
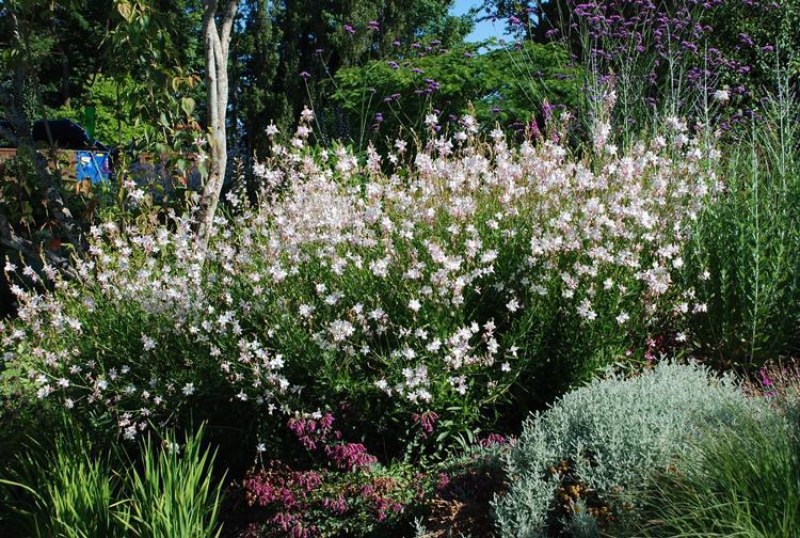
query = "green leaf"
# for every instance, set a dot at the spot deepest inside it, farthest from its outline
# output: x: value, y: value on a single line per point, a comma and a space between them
x: 125, y: 9
x: 187, y: 105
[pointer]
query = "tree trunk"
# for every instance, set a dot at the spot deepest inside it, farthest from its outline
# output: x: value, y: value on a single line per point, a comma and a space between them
x: 217, y: 42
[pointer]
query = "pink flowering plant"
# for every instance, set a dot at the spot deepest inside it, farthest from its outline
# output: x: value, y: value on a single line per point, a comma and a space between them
x: 333, y: 486
x: 439, y: 280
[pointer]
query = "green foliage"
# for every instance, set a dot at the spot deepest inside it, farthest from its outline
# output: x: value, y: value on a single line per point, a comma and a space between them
x: 670, y: 58
x: 597, y: 446
x: 175, y: 494
x: 55, y: 43
x: 744, y: 482
x: 279, y: 41
x: 749, y: 244
x: 154, y: 55
x: 69, y: 487
x: 504, y: 85
x: 443, y: 286
x: 64, y: 489
x: 117, y: 121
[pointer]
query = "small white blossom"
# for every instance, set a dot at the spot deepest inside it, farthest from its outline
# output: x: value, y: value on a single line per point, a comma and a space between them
x: 148, y: 343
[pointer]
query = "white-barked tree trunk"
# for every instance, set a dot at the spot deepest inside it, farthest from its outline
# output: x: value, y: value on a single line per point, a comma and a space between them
x: 217, y: 40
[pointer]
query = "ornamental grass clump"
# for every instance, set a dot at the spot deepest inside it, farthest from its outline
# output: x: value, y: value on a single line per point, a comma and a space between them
x: 579, y: 466
x: 67, y: 486
x: 744, y: 482
x: 175, y: 493
x: 427, y: 281
x: 62, y: 488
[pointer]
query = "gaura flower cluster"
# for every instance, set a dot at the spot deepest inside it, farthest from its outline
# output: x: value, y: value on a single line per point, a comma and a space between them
x: 417, y: 278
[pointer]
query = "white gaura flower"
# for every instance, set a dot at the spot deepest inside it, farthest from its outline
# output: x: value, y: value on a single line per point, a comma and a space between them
x: 307, y: 115
x: 481, y: 221
x: 148, y: 343
x: 340, y: 330
x: 585, y: 310
x: 513, y: 305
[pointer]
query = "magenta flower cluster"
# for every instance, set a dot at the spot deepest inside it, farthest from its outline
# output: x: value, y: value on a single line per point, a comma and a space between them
x: 426, y: 421
x: 310, y: 432
x: 304, y: 503
x: 348, y: 456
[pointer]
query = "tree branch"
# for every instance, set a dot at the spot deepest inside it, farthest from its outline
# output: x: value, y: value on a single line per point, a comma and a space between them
x: 227, y: 25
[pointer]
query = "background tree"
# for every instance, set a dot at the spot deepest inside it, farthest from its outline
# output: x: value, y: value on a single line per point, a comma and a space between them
x: 288, y: 53
x: 43, y: 214
x: 508, y: 86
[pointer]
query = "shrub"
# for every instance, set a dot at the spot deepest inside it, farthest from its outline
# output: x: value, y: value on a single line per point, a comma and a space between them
x: 747, y: 244
x: 677, y: 57
x: 389, y: 286
x: 745, y: 481
x: 330, y: 488
x: 589, y: 454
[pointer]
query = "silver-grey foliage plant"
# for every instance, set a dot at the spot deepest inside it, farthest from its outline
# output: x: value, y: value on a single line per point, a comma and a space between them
x: 615, y: 432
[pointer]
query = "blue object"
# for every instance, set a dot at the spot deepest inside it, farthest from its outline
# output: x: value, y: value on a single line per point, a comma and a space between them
x: 92, y: 165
